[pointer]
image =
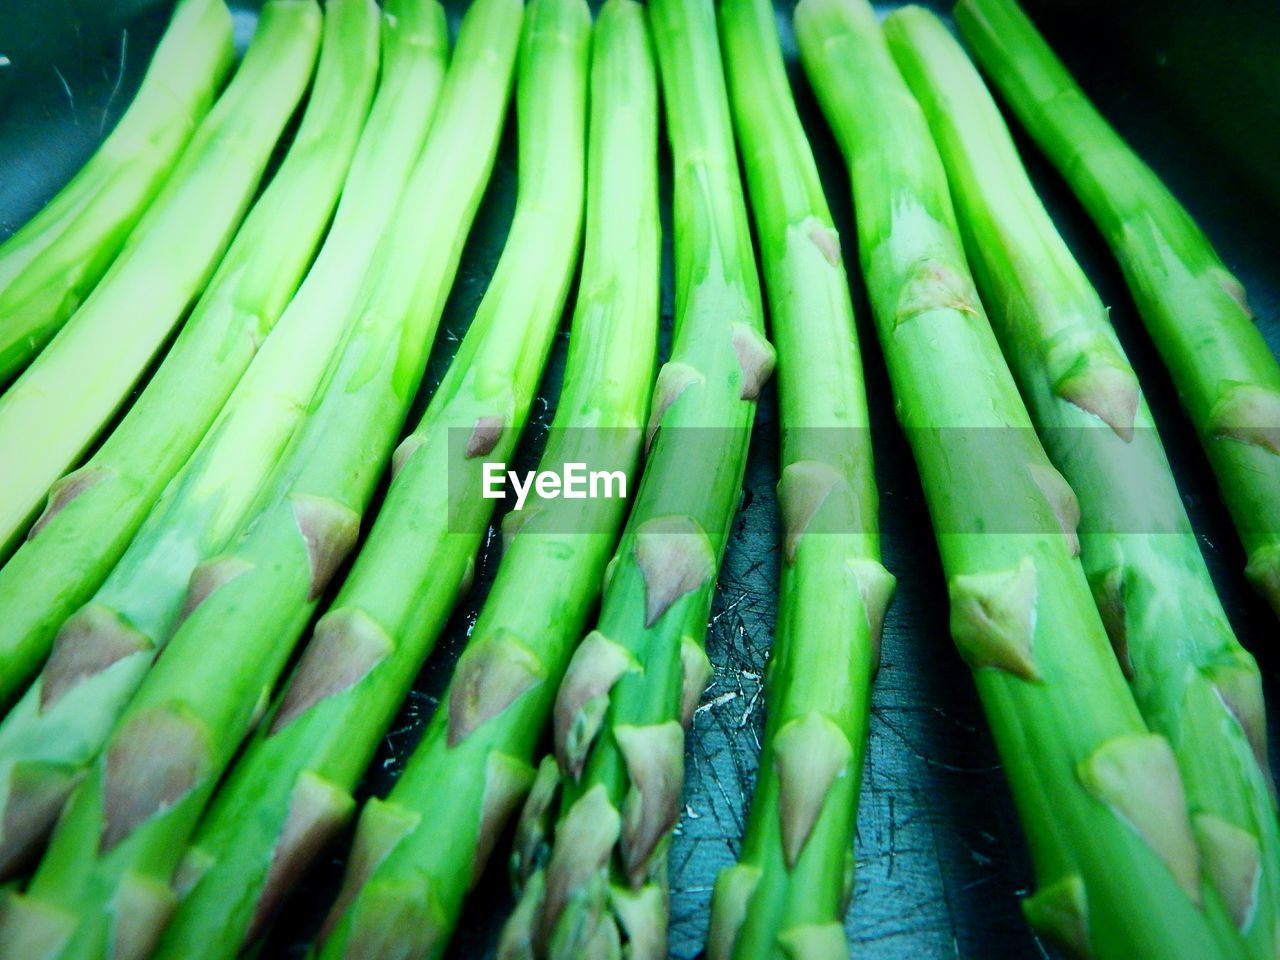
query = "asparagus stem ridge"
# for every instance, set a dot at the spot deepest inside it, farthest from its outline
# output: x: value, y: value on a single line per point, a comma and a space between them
x: 1195, y: 310
x: 103, y: 651
x: 49, y: 266
x: 109, y: 869
x: 53, y: 412
x: 1100, y: 796
x: 793, y: 879
x: 592, y: 864
x: 1193, y: 681
x: 264, y: 825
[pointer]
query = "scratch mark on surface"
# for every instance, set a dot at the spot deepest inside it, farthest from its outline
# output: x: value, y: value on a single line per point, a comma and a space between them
x: 124, y: 59
x: 71, y: 97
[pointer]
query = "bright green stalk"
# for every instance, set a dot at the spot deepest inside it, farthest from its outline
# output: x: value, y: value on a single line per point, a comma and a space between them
x: 794, y: 876
x: 1193, y: 681
x: 1195, y: 310
x: 594, y: 869
x: 109, y: 867
x: 97, y: 509
x: 49, y: 266
x: 1100, y: 797
x: 418, y: 852
x: 293, y: 788
x: 57, y: 407
x: 105, y: 649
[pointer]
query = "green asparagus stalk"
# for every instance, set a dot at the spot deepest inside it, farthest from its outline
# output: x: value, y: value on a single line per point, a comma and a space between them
x: 50, y: 265
x: 293, y: 789
x: 108, y: 872
x: 1100, y: 796
x: 1193, y: 681
x: 475, y: 760
x: 1196, y: 312
x: 57, y: 407
x: 593, y: 868
x: 96, y: 510
x: 104, y: 650
x: 793, y: 879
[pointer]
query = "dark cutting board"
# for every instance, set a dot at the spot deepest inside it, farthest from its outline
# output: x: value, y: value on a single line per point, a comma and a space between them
x: 941, y: 862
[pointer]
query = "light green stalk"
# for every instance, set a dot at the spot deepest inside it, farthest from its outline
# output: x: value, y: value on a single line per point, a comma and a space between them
x: 51, y: 415
x: 593, y: 867
x: 95, y: 511
x: 1196, y: 312
x: 49, y: 266
x: 104, y: 650
x: 1193, y: 681
x: 418, y: 852
x: 794, y: 876
x: 1100, y: 796
x: 108, y: 871
x: 293, y: 789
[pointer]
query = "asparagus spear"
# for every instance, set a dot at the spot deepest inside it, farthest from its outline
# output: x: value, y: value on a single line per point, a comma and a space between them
x: 1195, y: 310
x: 1099, y: 795
x: 264, y: 825
x: 50, y: 264
x: 593, y: 870
x: 97, y: 509
x: 1193, y: 681
x: 476, y: 758
x: 108, y: 872
x: 104, y: 650
x: 56, y: 408
x: 792, y: 881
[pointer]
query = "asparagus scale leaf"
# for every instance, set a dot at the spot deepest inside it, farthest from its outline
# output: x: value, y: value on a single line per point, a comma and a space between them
x: 293, y: 788
x: 1193, y: 681
x: 109, y: 868
x: 1195, y: 310
x: 792, y: 881
x: 475, y: 762
x: 104, y: 650
x: 1100, y: 796
x: 96, y: 510
x: 52, y: 413
x: 594, y: 863
x: 49, y: 265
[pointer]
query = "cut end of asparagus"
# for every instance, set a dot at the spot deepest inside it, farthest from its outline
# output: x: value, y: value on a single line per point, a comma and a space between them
x: 654, y: 756
x: 1246, y: 413
x: 1264, y: 573
x: 696, y: 671
x: 89, y: 642
x: 317, y: 812
x: 32, y: 929
x: 1108, y: 596
x: 141, y: 911
x: 1233, y: 861
x: 642, y: 916
x: 675, y: 558
x: 156, y: 757
x: 63, y: 492
x: 814, y: 941
x: 802, y: 490
x: 584, y: 841
x: 1060, y: 913
x: 673, y: 380
x: 756, y: 360
x: 733, y: 892
x: 347, y: 644
x: 490, y: 677
x: 1137, y: 777
x: 36, y: 794
x: 810, y: 754
x: 507, y: 780
x: 329, y: 529
x: 485, y: 436
x: 993, y: 619
x: 1062, y: 501
x: 208, y: 577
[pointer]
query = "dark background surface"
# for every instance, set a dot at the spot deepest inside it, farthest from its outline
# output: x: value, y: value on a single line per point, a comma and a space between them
x: 940, y: 858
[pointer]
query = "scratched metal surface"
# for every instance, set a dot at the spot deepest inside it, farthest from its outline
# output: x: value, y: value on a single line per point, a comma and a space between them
x: 940, y: 858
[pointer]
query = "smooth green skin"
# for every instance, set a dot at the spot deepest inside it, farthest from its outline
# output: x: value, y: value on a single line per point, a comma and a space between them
x: 49, y: 266
x: 973, y: 443
x: 420, y: 554
x: 58, y: 570
x: 224, y: 661
x: 553, y: 565
x: 1132, y: 517
x: 1193, y: 308
x: 824, y: 652
x: 53, y: 412
x: 695, y: 464
x: 147, y: 588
